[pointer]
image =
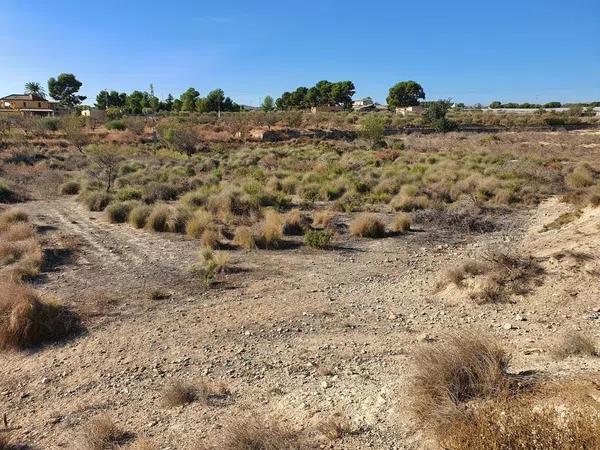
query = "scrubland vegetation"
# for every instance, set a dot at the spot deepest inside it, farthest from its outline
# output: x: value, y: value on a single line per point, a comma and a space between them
x: 220, y: 211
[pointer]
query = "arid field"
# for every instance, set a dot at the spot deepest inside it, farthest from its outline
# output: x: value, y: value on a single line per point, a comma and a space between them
x: 288, y: 282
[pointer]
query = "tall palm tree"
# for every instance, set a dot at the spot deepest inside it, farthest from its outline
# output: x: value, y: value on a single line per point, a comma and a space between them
x: 35, y: 88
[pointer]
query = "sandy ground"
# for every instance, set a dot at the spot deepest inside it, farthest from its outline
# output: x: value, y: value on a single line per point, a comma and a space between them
x: 297, y: 334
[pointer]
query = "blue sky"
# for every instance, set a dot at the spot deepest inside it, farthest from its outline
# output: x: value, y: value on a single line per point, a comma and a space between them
x: 467, y: 50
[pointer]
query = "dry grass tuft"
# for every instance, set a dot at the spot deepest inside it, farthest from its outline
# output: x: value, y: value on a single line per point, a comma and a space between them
x: 323, y: 218
x: 257, y: 434
x: 515, y: 424
x: 28, y: 321
x: 103, y: 434
x: 504, y: 275
x: 402, y: 223
x: 210, y: 238
x: 367, y: 225
x: 269, y: 232
x: 12, y: 215
x: 178, y: 393
x: 575, y: 344
x: 198, y: 223
x: 462, y: 368
x: 336, y: 427
x: 458, y: 274
x: 244, y: 238
x: 294, y: 223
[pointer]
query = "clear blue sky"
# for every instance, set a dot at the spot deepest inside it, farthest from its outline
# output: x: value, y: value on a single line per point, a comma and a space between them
x: 471, y: 51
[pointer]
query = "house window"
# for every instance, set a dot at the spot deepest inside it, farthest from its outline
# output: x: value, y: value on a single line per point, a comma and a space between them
x: 39, y: 104
x: 24, y: 104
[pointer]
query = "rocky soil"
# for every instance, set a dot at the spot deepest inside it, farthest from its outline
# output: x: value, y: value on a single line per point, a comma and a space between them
x: 296, y: 334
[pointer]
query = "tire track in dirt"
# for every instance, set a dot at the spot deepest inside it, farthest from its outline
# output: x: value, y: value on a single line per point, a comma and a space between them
x: 118, y: 251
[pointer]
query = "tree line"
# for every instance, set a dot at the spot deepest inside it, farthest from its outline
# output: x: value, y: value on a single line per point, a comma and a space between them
x: 64, y: 89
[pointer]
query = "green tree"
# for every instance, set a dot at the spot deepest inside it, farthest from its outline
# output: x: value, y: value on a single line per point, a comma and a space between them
x: 495, y: 105
x: 64, y: 89
x: 268, y: 104
x: 106, y: 99
x: 136, y: 102
x: 35, y: 88
x: 435, y: 115
x: 188, y: 100
x: 405, y: 93
x: 372, y: 128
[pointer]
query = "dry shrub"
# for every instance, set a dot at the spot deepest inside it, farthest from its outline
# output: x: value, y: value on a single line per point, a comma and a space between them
x: 70, y: 188
x: 210, y: 238
x: 323, y: 218
x: 408, y: 203
x: 457, y: 275
x: 504, y: 275
x: 139, y: 216
x: 294, y: 223
x: 269, y: 232
x: 103, y: 434
x: 258, y: 434
x: 178, y: 393
x: 402, y: 222
x: 517, y: 424
x: 367, y: 225
x: 462, y: 368
x: 336, y: 427
x: 581, y: 177
x: 575, y: 344
x: 198, y: 223
x: 464, y: 219
x: 26, y: 320
x: 18, y: 232
x: 12, y: 215
x: 24, y: 258
x: 244, y: 238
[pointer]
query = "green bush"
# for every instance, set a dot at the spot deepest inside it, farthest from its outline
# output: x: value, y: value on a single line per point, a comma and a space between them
x: 96, y: 201
x: 118, y: 212
x: 116, y: 125
x: 139, y: 216
x: 50, y: 123
x: 318, y: 238
x: 159, y: 191
x: 129, y: 193
x: 70, y: 188
x: 6, y: 195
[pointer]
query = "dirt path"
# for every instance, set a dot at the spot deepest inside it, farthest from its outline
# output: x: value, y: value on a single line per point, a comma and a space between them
x: 298, y: 334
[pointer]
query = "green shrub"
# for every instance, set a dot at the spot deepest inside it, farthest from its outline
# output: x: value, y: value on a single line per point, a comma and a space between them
x: 119, y: 212
x: 116, y: 125
x: 139, y: 215
x: 318, y: 238
x: 50, y: 123
x: 158, y: 218
x: 154, y: 192
x: 96, y: 201
x: 70, y: 188
x: 6, y: 195
x: 129, y: 193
